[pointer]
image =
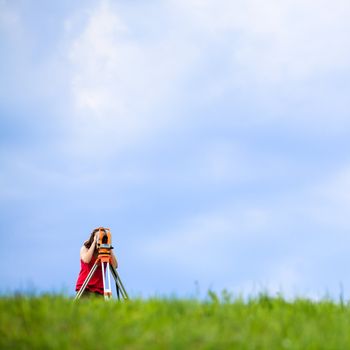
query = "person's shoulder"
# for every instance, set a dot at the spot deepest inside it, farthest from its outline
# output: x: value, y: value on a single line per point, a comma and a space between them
x: 83, y: 248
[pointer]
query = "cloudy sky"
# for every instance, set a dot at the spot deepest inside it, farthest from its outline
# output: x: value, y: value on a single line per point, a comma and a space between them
x: 211, y: 136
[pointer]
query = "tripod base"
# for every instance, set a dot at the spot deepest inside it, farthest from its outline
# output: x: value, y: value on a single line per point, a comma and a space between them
x: 107, y: 270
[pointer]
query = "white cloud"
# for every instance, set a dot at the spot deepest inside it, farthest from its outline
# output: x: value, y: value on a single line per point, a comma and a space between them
x: 204, y: 242
x: 336, y: 187
x: 286, y: 277
x: 304, y: 228
x: 10, y: 21
x: 120, y: 84
x: 330, y: 201
x: 273, y: 41
x: 125, y: 88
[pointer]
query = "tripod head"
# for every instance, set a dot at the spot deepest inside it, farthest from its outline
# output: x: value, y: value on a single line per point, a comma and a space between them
x: 104, y: 240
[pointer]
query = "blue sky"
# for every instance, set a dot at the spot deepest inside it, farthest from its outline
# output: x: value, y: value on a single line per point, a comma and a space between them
x: 212, y: 137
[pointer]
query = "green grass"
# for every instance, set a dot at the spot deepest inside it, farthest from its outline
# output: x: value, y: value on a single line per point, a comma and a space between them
x: 52, y: 322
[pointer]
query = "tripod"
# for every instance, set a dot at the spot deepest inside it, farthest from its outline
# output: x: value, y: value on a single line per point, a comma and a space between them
x: 104, y: 258
x: 107, y: 270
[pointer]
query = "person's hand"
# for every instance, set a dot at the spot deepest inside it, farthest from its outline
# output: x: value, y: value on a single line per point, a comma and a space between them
x: 96, y: 238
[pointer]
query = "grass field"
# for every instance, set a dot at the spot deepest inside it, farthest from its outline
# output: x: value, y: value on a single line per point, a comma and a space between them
x: 53, y: 322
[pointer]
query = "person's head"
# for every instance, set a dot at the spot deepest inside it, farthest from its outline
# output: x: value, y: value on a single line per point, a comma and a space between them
x: 88, y: 243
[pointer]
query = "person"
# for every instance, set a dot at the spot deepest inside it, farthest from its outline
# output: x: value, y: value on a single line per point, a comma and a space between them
x: 88, y: 256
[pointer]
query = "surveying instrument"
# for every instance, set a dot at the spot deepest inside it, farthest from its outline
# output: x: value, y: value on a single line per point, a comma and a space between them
x: 104, y: 246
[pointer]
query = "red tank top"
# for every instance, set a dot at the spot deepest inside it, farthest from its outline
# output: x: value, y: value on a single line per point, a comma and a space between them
x: 96, y: 282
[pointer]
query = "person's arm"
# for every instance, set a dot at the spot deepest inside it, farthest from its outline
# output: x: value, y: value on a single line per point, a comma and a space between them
x: 86, y: 254
x: 114, y: 260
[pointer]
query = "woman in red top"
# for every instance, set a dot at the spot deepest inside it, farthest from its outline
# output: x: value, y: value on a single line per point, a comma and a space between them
x: 88, y: 256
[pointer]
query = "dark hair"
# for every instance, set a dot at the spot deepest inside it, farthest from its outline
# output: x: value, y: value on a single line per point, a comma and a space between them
x: 88, y: 243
